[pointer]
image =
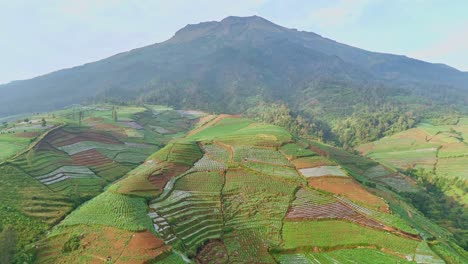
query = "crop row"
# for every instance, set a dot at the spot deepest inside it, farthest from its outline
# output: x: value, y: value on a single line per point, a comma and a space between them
x: 262, y: 155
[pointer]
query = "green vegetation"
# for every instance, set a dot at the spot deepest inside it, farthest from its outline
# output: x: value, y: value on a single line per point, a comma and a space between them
x: 328, y: 234
x: 364, y: 255
x: 111, y: 209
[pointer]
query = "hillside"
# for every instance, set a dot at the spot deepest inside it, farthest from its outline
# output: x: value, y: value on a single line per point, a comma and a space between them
x: 222, y: 66
x: 229, y: 191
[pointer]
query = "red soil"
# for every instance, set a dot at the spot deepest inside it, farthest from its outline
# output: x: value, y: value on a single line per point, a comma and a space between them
x: 142, y: 247
x: 159, y: 178
x: 27, y: 134
x: 350, y: 189
x: 335, y: 210
x: 213, y: 251
x: 310, y: 162
x: 90, y: 158
x: 61, y: 137
x: 319, y: 151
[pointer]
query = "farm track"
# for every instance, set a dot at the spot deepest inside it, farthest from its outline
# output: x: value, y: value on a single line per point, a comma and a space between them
x: 210, y: 123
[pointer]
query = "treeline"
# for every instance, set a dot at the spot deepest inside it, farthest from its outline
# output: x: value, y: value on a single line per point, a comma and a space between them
x: 371, y: 124
x: 360, y: 127
x: 437, y: 206
x: 279, y: 114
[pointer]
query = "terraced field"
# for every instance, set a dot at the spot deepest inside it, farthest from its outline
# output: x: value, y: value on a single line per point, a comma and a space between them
x: 68, y: 161
x: 231, y: 191
x: 439, y: 150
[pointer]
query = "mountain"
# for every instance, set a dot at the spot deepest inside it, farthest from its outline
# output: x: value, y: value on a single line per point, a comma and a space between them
x: 220, y: 65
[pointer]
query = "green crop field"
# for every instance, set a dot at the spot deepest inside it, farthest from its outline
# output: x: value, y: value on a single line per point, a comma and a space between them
x: 111, y: 209
x: 339, y: 233
x: 365, y: 256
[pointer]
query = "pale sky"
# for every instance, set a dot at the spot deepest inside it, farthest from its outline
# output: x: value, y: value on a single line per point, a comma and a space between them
x: 38, y: 37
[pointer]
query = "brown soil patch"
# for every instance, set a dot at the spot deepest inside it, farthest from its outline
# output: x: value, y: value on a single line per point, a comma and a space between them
x: 213, y: 251
x: 90, y: 158
x: 335, y: 210
x: 98, y: 243
x: 143, y: 246
x: 311, y: 162
x: 350, y: 189
x: 319, y: 151
x: 27, y: 134
x: 159, y: 178
x: 114, y: 129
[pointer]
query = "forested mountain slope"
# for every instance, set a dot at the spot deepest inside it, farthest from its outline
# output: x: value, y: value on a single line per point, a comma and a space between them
x: 218, y: 65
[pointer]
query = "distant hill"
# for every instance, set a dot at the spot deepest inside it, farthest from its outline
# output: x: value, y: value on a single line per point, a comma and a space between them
x: 221, y: 65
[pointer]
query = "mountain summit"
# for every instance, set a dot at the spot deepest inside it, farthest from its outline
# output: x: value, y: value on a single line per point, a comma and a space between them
x: 218, y: 65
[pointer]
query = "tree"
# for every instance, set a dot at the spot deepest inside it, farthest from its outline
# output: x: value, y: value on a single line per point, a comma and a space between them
x: 43, y: 122
x: 114, y: 114
x: 7, y: 244
x: 80, y: 117
x: 5, y: 124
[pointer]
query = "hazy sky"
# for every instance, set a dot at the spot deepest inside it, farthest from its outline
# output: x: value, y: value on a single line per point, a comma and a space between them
x: 38, y: 37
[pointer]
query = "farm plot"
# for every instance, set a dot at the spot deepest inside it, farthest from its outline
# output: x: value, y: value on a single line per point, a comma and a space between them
x: 357, y: 255
x: 247, y: 246
x: 90, y: 158
x: 260, y: 135
x: 424, y: 254
x: 181, y: 152
x: 213, y: 251
x: 397, y: 182
x: 10, y: 144
x: 424, y: 158
x: 192, y: 211
x: 260, y: 155
x: 89, y: 145
x: 217, y: 152
x: 453, y: 167
x: 312, y: 205
x: 311, y: 162
x: 72, y: 135
x: 323, y: 171
x: 97, y: 243
x: 275, y: 171
x: 347, y: 187
x: 453, y: 150
x: 335, y: 233
x: 208, y: 164
x: 66, y: 172
x: 253, y: 202
x: 294, y: 151
x: 376, y: 172
x: 111, y: 209
x: 38, y: 162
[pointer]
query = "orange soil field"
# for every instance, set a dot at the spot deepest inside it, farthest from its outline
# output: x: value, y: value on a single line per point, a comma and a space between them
x: 348, y: 188
x: 161, y: 177
x: 90, y: 158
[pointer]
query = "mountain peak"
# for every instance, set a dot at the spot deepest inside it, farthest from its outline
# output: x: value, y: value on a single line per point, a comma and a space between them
x: 231, y: 25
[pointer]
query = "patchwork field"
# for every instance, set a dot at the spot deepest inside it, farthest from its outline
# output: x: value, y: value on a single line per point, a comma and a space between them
x: 230, y: 191
x: 438, y: 150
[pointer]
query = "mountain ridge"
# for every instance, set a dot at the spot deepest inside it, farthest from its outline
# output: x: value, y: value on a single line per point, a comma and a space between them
x: 242, y: 56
